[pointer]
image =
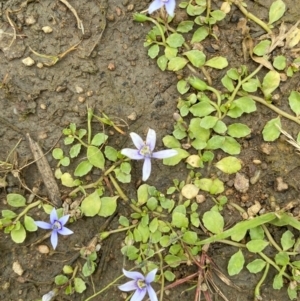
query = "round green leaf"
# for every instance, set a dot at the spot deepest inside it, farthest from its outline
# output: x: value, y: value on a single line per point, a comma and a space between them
x: 231, y: 146
x: 79, y: 285
x: 213, y: 221
x: 108, y: 206
x: 61, y: 279
x: 229, y: 165
x: 95, y: 157
x: 294, y: 102
x: 111, y: 153
x: 200, y: 34
x: 217, y: 62
x: 256, y: 245
x: 91, y: 205
x: 65, y: 161
x: 83, y: 168
x: 177, y: 63
x: 238, y: 130
x: 270, y: 82
x: 99, y: 139
x: 287, y: 240
x: 208, y: 122
x: 196, y: 57
x: 271, y: 130
x: 279, y: 62
x: 276, y: 11
x: 185, y: 26
x: 68, y: 181
x: 153, y: 51
x: 190, y: 237
x: 75, y: 150
x: 162, y: 62
x: 183, y: 86
x: 236, y: 263
x: 18, y: 234
x: 175, y: 40
x: 256, y: 266
x: 29, y: 224
x: 169, y: 276
x: 262, y: 48
x: 57, y: 153
x: 16, y: 200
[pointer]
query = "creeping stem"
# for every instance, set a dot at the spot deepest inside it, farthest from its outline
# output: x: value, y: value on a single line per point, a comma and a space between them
x: 260, y: 282
x: 27, y: 209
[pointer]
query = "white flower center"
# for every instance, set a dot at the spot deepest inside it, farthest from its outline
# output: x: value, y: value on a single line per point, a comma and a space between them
x: 141, y: 284
x: 145, y: 151
x: 56, y: 225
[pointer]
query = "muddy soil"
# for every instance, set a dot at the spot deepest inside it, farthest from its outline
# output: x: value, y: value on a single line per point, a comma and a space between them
x: 110, y: 71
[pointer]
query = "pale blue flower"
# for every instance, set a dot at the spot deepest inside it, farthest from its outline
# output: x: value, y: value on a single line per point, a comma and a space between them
x: 157, y: 4
x: 145, y: 152
x: 56, y: 225
x: 140, y: 284
x: 49, y: 296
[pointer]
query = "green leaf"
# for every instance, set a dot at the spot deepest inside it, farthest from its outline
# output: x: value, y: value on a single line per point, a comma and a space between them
x: 229, y: 165
x: 171, y: 142
x: 257, y: 233
x: 67, y: 269
x: 220, y: 127
x: 91, y: 205
x: 215, y: 142
x: 233, y: 74
x: 227, y: 82
x: 256, y: 245
x: 218, y: 15
x: 61, y: 279
x: 287, y: 240
x: 279, y: 62
x: 276, y: 11
x: 29, y: 224
x: 179, y: 220
x: 251, y: 85
x: 278, y: 282
x: 153, y: 51
x: 195, y: 10
x: 8, y: 214
x: 200, y: 34
x: 111, y: 153
x: 172, y: 260
x: 95, y: 157
x: 208, y: 122
x: 177, y: 63
x: 185, y: 26
x: 123, y: 221
x: 57, y: 153
x: 75, y: 150
x: 270, y: 82
x: 68, y: 181
x: 256, y: 266
x: 202, y: 109
x: 241, y: 105
x: 217, y: 62
x: 83, y: 168
x: 99, y: 139
x: 169, y: 276
x: 81, y: 133
x: 130, y: 252
x: 170, y: 52
x: 16, y: 200
x: 271, y: 130
x: 69, y: 140
x: 79, y: 285
x: 236, y: 263
x: 282, y: 258
x: 196, y: 57
x: 238, y: 130
x: 181, y: 154
x: 18, y: 234
x: 65, y: 161
x: 190, y: 237
x: 142, y: 194
x: 294, y: 102
x: 162, y: 62
x: 121, y: 176
x: 292, y: 291
x: 175, y: 40
x: 152, y: 203
x: 231, y: 146
x: 182, y: 86
x: 262, y: 48
x: 108, y: 206
x: 213, y: 221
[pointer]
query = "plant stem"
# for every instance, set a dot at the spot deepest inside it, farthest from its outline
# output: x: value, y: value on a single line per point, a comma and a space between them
x: 83, y: 143
x: 250, y: 16
x: 118, y: 188
x: 27, y: 209
x: 270, y: 238
x: 89, y: 119
x: 260, y: 282
x: 161, y: 272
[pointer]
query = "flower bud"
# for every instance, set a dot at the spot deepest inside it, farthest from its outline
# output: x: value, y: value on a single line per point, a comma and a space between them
x: 197, y: 83
x: 140, y: 17
x: 104, y: 235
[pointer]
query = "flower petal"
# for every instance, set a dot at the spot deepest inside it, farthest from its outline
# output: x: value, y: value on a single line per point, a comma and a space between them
x: 63, y: 220
x: 65, y: 231
x: 132, y: 154
x: 139, y: 294
x: 150, y: 276
x: 151, y: 139
x: 133, y: 275
x: 54, y: 239
x: 167, y: 153
x: 146, y: 169
x: 43, y: 225
x: 170, y: 7
x: 128, y: 286
x: 151, y: 293
x: 53, y: 216
x: 137, y: 140
x: 156, y: 4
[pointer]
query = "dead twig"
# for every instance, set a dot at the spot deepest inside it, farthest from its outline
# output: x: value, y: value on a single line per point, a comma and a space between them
x: 12, y: 24
x: 72, y: 9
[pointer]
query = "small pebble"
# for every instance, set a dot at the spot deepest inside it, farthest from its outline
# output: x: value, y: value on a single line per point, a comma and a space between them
x: 42, y: 136
x: 40, y: 65
x: 241, y: 183
x: 47, y: 29
x: 81, y: 99
x: 256, y: 161
x: 30, y: 20
x: 28, y: 61
x: 281, y: 186
x: 132, y: 116
x: 89, y: 93
x: 111, y: 66
x: 17, y: 268
x: 43, y: 249
x: 43, y: 106
x: 130, y: 7
x: 78, y: 89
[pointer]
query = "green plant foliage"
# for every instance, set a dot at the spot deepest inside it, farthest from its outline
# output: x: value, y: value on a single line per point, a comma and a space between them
x: 276, y: 11
x: 236, y: 263
x: 271, y: 130
x: 16, y: 200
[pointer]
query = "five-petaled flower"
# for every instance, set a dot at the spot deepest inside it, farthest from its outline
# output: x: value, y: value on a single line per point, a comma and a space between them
x: 140, y: 284
x: 169, y: 5
x: 56, y: 225
x: 145, y: 152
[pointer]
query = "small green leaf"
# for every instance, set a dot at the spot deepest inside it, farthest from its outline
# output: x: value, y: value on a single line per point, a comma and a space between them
x: 229, y: 165
x: 65, y: 161
x: 279, y: 62
x: 152, y: 203
x: 175, y: 40
x: 294, y: 102
x: 69, y: 140
x: 236, y: 263
x: 181, y: 154
x: 276, y: 11
x: 67, y: 269
x: 169, y: 276
x: 256, y: 245
x: 79, y: 285
x: 282, y: 258
x: 121, y: 176
x: 123, y: 221
x: 196, y: 57
x: 91, y: 205
x: 241, y: 105
x: 262, y: 48
x: 278, y: 282
x: 208, y: 122
x: 177, y: 63
x: 257, y: 233
x: 271, y: 130
x: 217, y: 62
x: 16, y: 200
x: 231, y: 146
x: 108, y: 206
x: 162, y: 62
x: 153, y: 51
x: 182, y: 86
x: 142, y: 194
x: 8, y: 214
x: 227, y: 83
x: 170, y: 52
x: 270, y: 82
x: 218, y: 15
x: 29, y: 224
x: 111, y: 153
x: 215, y: 142
x: 68, y: 181
x: 172, y: 260
x: 18, y: 234
x: 185, y: 26
x: 202, y: 109
x: 61, y: 279
x: 99, y: 139
x: 171, y: 142
x: 57, y: 153
x: 95, y: 157
x: 213, y: 221
x: 75, y: 150
x: 83, y: 168
x: 287, y: 240
x: 251, y: 85
x: 256, y: 266
x: 238, y: 130
x: 200, y: 34
x: 179, y: 220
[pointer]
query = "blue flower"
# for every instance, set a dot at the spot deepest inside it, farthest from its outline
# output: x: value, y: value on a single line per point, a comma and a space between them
x: 169, y: 5
x: 145, y: 152
x: 56, y: 225
x: 140, y: 284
